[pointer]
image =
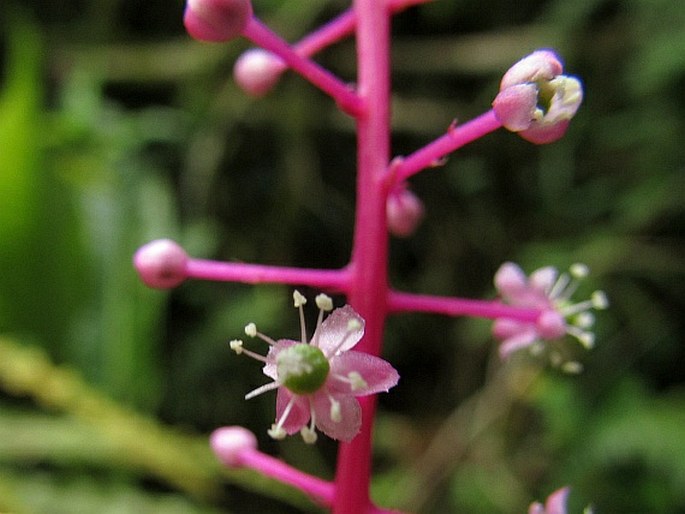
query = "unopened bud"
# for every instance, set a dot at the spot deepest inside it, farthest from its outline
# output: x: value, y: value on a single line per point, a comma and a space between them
x: 536, y: 100
x: 216, y: 20
x: 161, y: 263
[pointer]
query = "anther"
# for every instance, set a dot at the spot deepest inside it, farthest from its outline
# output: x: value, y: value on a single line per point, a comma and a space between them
x: 236, y: 345
x: 298, y: 299
x: 336, y: 413
x: 324, y: 302
x: 356, y: 381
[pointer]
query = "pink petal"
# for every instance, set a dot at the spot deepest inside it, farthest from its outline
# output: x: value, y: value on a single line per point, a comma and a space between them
x: 504, y: 328
x: 299, y: 414
x: 510, y: 281
x: 517, y: 342
x: 551, y: 325
x: 541, y: 64
x: 515, y: 106
x: 556, y: 502
x: 543, y: 134
x: 351, y: 416
x: 336, y: 328
x: 378, y: 374
x: 543, y: 279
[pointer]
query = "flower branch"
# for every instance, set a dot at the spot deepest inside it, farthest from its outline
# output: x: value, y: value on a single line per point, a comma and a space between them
x: 452, y: 306
x: 433, y: 154
x: 343, y: 94
x: 258, y: 70
x: 164, y: 264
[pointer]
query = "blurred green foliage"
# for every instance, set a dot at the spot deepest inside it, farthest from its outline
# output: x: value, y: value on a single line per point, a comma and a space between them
x: 116, y: 129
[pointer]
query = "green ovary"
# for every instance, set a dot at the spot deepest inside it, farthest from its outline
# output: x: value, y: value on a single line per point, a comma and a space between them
x: 302, y: 368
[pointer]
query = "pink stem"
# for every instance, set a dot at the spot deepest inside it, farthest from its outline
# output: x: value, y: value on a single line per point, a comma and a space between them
x: 369, y: 286
x: 262, y: 36
x: 341, y: 27
x: 331, y: 280
x: 431, y: 154
x: 320, y: 490
x: 408, y: 302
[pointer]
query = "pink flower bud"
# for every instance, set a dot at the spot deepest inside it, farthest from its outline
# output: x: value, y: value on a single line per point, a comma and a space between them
x: 161, y: 264
x: 257, y: 71
x: 404, y: 211
x: 536, y: 100
x: 228, y: 443
x: 216, y: 20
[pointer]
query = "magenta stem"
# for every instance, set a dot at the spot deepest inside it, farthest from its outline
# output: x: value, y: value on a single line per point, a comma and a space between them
x: 320, y: 490
x: 369, y: 285
x: 409, y: 302
x: 431, y: 154
x: 345, y: 97
x: 330, y: 280
x: 340, y: 27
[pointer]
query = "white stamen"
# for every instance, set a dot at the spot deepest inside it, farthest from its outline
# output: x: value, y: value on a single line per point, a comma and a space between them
x: 236, y: 345
x: 356, y: 381
x: 262, y: 389
x: 555, y: 359
x: 537, y: 348
x: 336, y: 412
x: 599, y: 300
x: 251, y: 331
x: 587, y: 339
x: 572, y: 367
x: 324, y: 302
x: 584, y: 320
x: 277, y: 431
x: 558, y: 289
x: 298, y: 299
x: 579, y: 270
x: 308, y: 435
x: 352, y: 326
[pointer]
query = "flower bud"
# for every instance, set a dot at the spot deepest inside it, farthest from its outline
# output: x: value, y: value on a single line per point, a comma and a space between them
x: 404, y: 211
x: 536, y: 100
x: 229, y: 442
x: 257, y: 71
x: 216, y: 20
x: 161, y: 264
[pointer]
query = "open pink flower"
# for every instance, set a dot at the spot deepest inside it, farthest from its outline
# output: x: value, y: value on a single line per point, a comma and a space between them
x: 551, y: 293
x: 318, y: 381
x: 555, y: 504
x: 536, y: 100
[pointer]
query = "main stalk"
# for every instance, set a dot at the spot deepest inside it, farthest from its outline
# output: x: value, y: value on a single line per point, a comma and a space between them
x: 369, y: 263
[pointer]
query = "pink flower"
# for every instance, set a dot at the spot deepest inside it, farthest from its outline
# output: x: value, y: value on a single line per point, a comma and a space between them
x: 551, y: 293
x: 555, y: 504
x: 536, y: 100
x: 318, y: 381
